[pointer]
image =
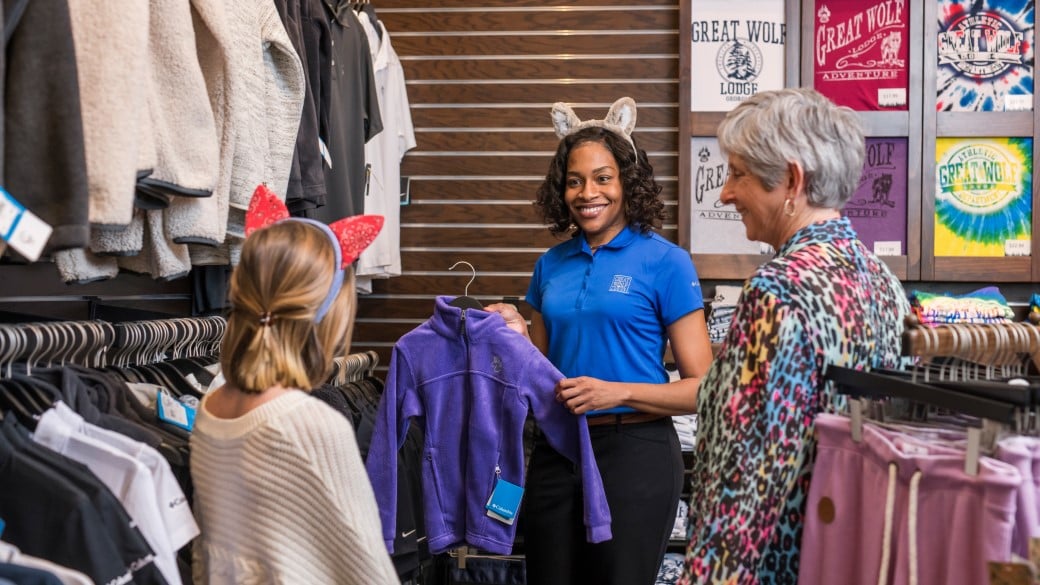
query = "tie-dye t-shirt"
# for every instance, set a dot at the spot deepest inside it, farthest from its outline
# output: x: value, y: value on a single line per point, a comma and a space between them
x: 984, y: 55
x: 985, y: 305
x: 983, y: 196
x: 825, y: 299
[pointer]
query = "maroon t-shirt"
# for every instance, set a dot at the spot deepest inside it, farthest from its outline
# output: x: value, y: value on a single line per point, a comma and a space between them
x: 861, y: 51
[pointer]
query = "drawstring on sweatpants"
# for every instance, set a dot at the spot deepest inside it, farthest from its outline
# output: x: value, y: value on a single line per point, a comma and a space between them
x: 915, y: 483
x: 886, y: 539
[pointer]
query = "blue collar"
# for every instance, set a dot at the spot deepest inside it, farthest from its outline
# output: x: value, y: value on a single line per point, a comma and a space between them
x: 622, y: 239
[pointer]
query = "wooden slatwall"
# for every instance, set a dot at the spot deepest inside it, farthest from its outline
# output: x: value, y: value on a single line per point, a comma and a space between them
x: 482, y: 76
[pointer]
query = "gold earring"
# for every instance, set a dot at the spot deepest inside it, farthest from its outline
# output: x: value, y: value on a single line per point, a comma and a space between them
x: 789, y: 207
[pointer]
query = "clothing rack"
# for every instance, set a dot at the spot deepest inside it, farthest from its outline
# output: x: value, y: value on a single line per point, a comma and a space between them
x: 1011, y: 346
x: 464, y: 552
x: 97, y: 344
x: 878, y: 384
x: 992, y: 413
x: 961, y: 368
x: 355, y: 367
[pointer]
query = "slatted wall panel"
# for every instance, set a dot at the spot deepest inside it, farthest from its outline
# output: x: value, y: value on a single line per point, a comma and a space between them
x: 482, y: 76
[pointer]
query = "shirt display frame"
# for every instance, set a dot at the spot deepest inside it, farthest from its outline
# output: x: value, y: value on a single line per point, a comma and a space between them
x: 920, y: 125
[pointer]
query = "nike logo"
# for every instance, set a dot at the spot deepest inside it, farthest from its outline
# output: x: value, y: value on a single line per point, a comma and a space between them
x: 409, y: 533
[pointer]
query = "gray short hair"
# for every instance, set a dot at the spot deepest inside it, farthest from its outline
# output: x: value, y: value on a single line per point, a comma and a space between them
x: 772, y: 128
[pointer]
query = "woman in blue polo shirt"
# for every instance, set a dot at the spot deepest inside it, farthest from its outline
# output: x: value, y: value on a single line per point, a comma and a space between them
x: 606, y: 303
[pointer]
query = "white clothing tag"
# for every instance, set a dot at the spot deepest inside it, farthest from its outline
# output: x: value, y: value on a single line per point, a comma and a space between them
x: 1020, y: 247
x: 21, y: 228
x: 888, y: 248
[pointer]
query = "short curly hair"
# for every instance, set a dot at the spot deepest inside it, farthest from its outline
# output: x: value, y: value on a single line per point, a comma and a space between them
x: 641, y: 193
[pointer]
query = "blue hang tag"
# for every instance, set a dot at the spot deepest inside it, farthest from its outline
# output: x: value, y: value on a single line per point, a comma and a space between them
x: 504, y: 502
x: 170, y: 410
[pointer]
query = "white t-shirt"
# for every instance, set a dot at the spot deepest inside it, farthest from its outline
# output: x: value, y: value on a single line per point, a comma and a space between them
x: 127, y: 478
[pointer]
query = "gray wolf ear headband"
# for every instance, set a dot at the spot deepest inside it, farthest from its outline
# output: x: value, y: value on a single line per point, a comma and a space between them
x: 621, y: 120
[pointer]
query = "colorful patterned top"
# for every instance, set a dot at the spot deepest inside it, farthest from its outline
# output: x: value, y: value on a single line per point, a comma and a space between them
x: 824, y: 299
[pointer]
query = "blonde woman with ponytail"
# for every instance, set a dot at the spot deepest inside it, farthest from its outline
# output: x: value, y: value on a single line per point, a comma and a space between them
x: 280, y: 492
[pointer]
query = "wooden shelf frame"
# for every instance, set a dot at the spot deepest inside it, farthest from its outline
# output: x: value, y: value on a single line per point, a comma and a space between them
x: 937, y: 125
x: 920, y: 125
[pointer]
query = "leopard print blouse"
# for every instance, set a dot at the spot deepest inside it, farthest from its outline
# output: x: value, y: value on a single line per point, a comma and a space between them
x: 824, y: 299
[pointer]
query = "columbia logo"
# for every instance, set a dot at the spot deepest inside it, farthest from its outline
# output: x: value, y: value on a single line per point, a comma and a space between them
x: 621, y: 283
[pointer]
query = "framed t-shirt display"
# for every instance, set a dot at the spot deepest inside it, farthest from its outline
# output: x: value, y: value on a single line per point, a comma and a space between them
x: 980, y: 199
x: 737, y: 49
x: 717, y: 227
x: 732, y: 50
x: 983, y: 196
x: 878, y: 207
x: 861, y: 53
x: 867, y: 55
x: 945, y: 92
x: 984, y: 60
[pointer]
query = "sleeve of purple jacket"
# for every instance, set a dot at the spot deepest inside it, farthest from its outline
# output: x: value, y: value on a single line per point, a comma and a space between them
x: 569, y: 435
x: 397, y: 406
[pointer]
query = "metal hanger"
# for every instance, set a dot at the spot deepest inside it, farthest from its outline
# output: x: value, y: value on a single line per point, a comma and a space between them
x: 466, y: 301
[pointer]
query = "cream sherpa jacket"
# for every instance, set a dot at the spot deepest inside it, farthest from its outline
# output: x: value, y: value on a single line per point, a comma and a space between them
x: 112, y: 58
x: 183, y: 127
x: 257, y: 98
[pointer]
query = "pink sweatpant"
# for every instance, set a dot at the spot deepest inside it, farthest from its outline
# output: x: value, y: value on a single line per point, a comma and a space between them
x: 865, y: 497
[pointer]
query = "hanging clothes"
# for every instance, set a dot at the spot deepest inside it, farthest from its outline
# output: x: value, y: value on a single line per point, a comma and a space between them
x: 358, y: 401
x: 308, y: 31
x: 354, y: 116
x: 470, y: 381
x: 95, y: 479
x: 896, y: 509
x: 383, y: 154
x: 128, y: 477
x: 42, y: 120
x: 46, y: 495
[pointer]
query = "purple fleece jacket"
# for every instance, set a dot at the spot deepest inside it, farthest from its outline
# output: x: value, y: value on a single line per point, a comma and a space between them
x: 469, y: 380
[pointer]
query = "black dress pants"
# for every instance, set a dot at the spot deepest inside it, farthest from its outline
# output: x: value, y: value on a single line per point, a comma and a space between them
x: 642, y: 469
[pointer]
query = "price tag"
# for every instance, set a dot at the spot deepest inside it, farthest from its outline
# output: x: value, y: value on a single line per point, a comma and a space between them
x: 891, y: 97
x: 1018, y: 103
x: 170, y: 410
x: 21, y: 228
x: 1021, y: 247
x: 504, y: 502
x: 888, y: 248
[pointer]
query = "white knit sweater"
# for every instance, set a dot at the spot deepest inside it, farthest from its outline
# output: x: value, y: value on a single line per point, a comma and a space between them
x: 282, y: 496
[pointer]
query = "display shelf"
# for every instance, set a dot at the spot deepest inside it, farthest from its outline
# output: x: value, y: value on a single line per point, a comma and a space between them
x: 920, y: 125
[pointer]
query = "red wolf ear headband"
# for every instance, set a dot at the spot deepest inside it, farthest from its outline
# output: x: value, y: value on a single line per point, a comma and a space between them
x: 350, y: 235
